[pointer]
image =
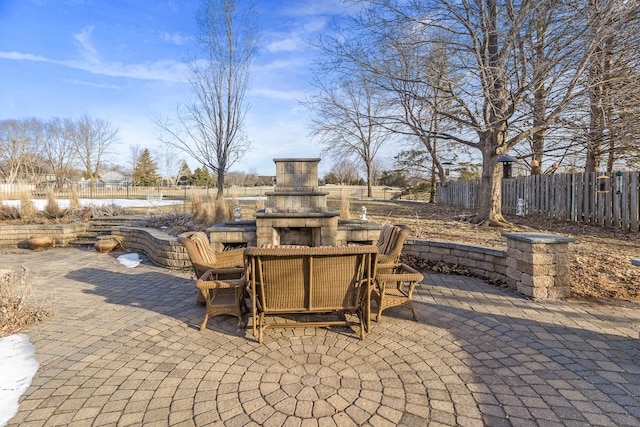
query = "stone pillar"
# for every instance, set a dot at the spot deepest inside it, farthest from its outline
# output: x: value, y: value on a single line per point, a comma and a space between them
x: 538, y: 264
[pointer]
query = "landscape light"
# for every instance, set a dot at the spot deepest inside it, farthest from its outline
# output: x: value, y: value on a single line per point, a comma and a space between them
x: 602, y: 183
x: 619, y: 176
x: 506, y: 161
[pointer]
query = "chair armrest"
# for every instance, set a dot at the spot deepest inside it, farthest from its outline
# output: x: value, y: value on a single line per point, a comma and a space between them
x: 386, y: 267
x: 232, y: 258
x: 399, y: 273
x: 204, y: 285
x: 386, y: 259
x: 215, y: 273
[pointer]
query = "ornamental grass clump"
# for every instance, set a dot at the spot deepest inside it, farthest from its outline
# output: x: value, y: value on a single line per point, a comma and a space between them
x: 197, y: 207
x: 27, y: 207
x: 74, y: 201
x: 345, y: 205
x: 52, y: 209
x: 19, y: 306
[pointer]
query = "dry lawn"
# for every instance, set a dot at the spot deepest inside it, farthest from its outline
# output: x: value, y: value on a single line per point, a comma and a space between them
x: 602, y: 266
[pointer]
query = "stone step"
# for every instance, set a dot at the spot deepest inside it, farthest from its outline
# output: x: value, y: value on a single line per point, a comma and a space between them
x: 82, y: 243
x: 105, y: 230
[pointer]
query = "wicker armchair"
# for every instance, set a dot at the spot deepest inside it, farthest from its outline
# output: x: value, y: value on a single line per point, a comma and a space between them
x: 223, y: 265
x: 395, y: 288
x: 390, y: 245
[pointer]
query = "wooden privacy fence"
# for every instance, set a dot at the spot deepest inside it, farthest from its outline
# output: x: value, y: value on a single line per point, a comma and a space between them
x: 571, y: 197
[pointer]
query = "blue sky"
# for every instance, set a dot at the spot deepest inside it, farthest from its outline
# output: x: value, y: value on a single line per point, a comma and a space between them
x: 123, y: 61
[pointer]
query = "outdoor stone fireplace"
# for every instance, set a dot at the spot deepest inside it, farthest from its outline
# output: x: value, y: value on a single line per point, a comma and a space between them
x: 295, y: 213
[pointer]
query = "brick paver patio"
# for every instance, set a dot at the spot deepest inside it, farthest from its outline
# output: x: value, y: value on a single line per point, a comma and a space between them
x: 124, y: 349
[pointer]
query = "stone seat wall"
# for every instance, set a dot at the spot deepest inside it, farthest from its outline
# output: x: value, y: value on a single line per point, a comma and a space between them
x: 534, y: 264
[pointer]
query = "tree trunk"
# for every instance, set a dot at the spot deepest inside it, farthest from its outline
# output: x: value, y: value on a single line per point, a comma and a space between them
x: 369, y: 180
x: 490, y: 202
x: 432, y: 190
x: 220, y: 187
x: 539, y: 118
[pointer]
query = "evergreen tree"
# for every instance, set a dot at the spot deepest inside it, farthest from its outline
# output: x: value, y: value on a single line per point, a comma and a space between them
x: 145, y: 171
x: 202, y: 177
x: 185, y: 176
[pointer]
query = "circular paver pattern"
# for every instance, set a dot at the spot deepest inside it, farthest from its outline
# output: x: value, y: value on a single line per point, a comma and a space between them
x: 321, y: 381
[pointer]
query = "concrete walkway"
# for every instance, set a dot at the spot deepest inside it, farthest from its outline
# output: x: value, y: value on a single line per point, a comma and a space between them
x: 124, y: 349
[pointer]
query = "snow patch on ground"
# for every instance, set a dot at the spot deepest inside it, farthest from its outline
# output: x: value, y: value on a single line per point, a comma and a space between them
x: 40, y: 204
x: 18, y: 365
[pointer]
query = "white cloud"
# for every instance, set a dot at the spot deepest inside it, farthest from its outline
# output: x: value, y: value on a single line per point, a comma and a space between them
x: 165, y: 70
x: 278, y: 64
x: 92, y: 84
x: 175, y: 38
x: 315, y: 25
x: 87, y: 50
x: 19, y: 56
x: 314, y: 7
x: 291, y: 44
x: 281, y: 95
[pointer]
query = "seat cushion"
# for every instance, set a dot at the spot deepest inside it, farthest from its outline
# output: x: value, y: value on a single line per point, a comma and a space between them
x: 204, y: 250
x: 388, y: 236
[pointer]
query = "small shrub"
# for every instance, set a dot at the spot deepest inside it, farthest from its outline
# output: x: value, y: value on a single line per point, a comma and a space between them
x: 9, y: 212
x: 174, y: 223
x: 19, y: 307
x: 111, y: 209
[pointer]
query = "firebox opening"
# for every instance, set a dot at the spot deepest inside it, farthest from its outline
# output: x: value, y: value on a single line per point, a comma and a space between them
x: 303, y: 236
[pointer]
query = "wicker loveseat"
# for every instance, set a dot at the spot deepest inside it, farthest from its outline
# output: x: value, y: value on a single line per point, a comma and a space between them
x: 302, y: 281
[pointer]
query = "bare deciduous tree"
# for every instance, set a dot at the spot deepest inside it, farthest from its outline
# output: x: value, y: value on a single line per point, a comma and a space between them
x: 612, y: 82
x: 169, y: 163
x: 92, y: 139
x: 346, y: 120
x: 58, y: 148
x: 17, y: 148
x: 490, y: 81
x: 209, y: 128
x: 345, y: 171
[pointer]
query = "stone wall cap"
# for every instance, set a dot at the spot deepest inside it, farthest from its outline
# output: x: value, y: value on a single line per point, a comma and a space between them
x: 636, y: 262
x: 297, y: 159
x: 538, y: 238
x: 358, y: 224
x: 323, y: 214
x: 229, y: 226
x: 295, y: 192
x: 447, y: 244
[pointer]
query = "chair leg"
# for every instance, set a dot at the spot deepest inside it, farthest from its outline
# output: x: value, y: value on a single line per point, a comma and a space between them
x: 379, y: 303
x: 204, y: 322
x: 239, y: 305
x: 415, y: 316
